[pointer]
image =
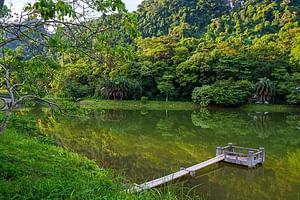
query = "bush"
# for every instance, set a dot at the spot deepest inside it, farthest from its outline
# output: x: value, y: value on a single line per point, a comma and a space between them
x: 289, y: 88
x: 75, y: 90
x: 224, y: 93
x: 74, y: 82
x: 294, y: 98
x: 202, y: 95
x: 144, y: 99
x: 119, y: 88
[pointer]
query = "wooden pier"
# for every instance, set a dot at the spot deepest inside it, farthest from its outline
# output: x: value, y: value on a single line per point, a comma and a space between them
x: 249, y: 157
x: 231, y: 154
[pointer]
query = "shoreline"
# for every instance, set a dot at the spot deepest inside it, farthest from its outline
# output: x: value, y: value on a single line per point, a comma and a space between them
x: 179, y: 106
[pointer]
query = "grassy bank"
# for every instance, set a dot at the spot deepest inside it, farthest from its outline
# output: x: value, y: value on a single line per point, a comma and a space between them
x: 32, y: 169
x: 137, y: 105
x: 177, y: 105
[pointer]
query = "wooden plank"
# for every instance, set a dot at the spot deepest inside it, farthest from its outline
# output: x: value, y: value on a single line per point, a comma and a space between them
x: 245, y: 148
x: 176, y: 175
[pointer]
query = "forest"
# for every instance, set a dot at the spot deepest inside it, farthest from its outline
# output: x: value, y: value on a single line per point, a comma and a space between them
x: 224, y: 53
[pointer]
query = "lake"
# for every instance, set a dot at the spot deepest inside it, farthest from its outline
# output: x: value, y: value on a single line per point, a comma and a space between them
x: 144, y: 145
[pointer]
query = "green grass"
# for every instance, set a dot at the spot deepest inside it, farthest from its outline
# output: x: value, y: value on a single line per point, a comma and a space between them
x: 137, y: 105
x: 31, y: 169
x: 176, y: 105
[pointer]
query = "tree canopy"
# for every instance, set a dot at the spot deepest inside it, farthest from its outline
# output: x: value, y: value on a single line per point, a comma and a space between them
x: 164, y: 50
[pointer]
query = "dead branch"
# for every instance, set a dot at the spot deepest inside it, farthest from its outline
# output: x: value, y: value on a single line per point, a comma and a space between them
x: 5, y: 122
x: 12, y: 103
x: 33, y: 97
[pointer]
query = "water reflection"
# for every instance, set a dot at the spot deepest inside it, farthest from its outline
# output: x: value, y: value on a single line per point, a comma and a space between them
x: 149, y: 144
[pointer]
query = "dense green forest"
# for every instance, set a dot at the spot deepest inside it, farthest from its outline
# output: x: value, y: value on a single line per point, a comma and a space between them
x: 215, y: 52
x: 75, y: 55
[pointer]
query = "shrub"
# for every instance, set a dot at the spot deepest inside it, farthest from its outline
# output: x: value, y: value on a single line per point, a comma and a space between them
x: 264, y: 89
x: 294, y: 98
x: 202, y: 95
x: 76, y: 90
x: 118, y: 88
x: 289, y: 88
x: 74, y: 82
x: 224, y: 93
x: 144, y: 99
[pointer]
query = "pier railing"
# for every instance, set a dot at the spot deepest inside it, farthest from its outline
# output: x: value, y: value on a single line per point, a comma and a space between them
x: 242, y: 156
x: 232, y: 154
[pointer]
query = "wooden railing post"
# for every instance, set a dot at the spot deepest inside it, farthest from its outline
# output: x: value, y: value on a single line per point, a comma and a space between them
x: 263, y: 154
x: 250, y: 159
x: 219, y: 151
x: 230, y: 147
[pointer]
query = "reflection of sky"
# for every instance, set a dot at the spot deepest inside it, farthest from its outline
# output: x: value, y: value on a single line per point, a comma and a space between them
x: 18, y: 4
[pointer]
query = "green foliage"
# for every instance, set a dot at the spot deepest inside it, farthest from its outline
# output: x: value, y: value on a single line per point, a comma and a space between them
x: 74, y: 82
x: 295, y: 52
x: 136, y: 105
x: 254, y: 18
x: 4, y: 10
x: 166, y: 85
x: 264, y: 90
x: 118, y: 88
x: 34, y: 74
x: 177, y: 17
x: 224, y: 93
x: 202, y: 95
x: 31, y: 169
x: 294, y: 98
x: 49, y: 9
x: 144, y: 99
x: 184, y: 45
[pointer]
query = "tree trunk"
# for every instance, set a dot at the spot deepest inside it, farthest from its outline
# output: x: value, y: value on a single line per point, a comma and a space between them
x: 167, y: 97
x: 5, y: 122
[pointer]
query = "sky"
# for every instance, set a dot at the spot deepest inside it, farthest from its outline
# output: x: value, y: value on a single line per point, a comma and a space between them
x: 18, y: 4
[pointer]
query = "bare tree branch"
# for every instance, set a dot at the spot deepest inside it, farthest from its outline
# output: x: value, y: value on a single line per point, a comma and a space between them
x: 12, y: 103
x: 5, y: 122
x: 29, y: 97
x: 8, y: 85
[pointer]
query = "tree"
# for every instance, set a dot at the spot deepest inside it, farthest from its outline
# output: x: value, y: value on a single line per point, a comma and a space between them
x: 166, y: 86
x: 223, y: 92
x: 264, y: 90
x: 119, y: 88
x: 178, y: 17
x: 66, y: 21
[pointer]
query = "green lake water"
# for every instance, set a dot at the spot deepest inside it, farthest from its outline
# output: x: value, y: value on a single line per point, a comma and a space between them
x: 144, y: 145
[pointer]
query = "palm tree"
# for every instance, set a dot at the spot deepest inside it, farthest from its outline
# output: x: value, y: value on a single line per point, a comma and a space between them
x: 116, y: 88
x: 264, y: 90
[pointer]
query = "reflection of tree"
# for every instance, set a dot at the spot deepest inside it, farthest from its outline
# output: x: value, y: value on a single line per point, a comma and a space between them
x: 293, y: 165
x: 276, y: 180
x: 263, y: 125
x: 136, y: 143
x: 165, y: 126
x: 256, y: 125
x: 294, y: 120
x: 110, y: 115
x: 199, y: 118
x: 231, y: 122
